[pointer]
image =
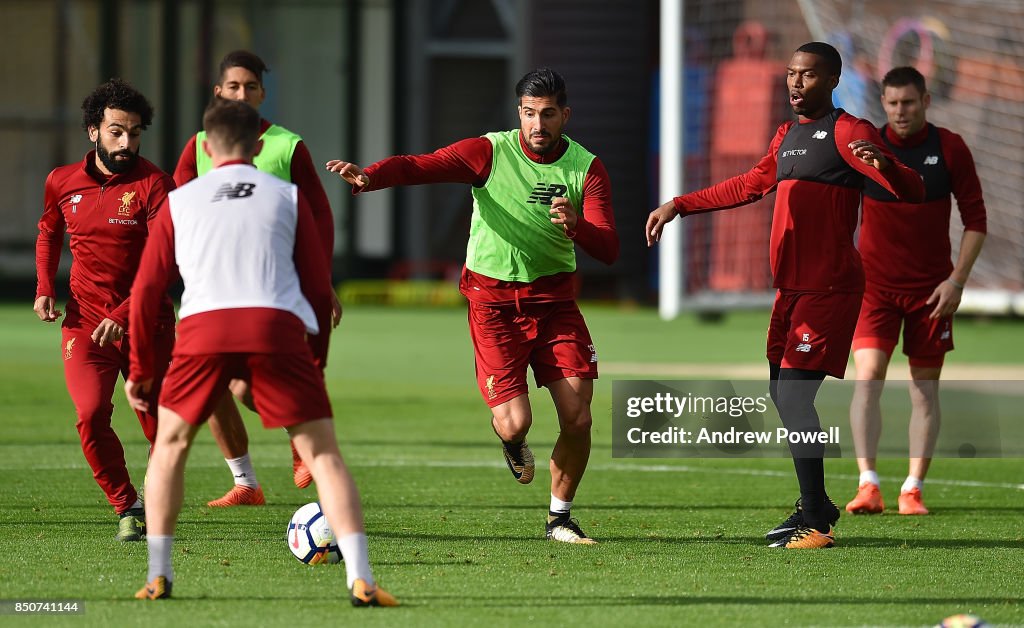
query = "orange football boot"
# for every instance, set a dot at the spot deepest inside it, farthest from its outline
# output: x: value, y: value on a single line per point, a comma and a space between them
x: 300, y: 472
x: 240, y: 496
x: 366, y: 595
x: 159, y: 589
x: 806, y: 538
x: 867, y: 501
x: 911, y: 504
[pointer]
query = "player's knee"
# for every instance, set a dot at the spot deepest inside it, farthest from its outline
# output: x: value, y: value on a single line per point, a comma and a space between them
x: 873, y: 372
x: 93, y: 414
x: 796, y: 408
x: 512, y: 426
x: 577, y: 423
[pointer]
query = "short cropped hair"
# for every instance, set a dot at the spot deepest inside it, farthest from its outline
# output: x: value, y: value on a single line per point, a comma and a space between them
x: 541, y: 83
x: 833, y: 60
x: 902, y: 76
x: 115, y: 94
x: 243, y: 59
x: 232, y: 124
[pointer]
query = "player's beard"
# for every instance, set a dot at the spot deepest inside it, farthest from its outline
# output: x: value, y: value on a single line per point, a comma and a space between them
x: 543, y: 150
x: 112, y: 164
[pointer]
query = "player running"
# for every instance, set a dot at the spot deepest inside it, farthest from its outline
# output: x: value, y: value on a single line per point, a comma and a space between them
x: 910, y: 278
x: 107, y: 203
x: 535, y: 193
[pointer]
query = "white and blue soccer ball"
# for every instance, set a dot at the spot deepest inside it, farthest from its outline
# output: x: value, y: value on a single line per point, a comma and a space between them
x: 310, y: 537
x: 962, y: 621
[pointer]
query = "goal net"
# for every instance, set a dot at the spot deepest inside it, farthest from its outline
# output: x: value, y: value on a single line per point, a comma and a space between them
x: 970, y: 51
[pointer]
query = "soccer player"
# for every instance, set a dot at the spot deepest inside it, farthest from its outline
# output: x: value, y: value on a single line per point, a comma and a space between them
x: 910, y: 278
x: 536, y: 193
x: 106, y: 203
x: 818, y: 166
x: 285, y: 156
x: 245, y: 245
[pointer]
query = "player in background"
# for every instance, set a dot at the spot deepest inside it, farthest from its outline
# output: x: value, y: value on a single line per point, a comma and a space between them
x: 818, y: 166
x: 245, y: 245
x: 910, y: 279
x: 106, y: 203
x: 536, y: 193
x: 285, y: 156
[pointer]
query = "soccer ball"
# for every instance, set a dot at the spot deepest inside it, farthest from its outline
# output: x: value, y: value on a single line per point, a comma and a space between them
x: 962, y: 621
x: 310, y: 537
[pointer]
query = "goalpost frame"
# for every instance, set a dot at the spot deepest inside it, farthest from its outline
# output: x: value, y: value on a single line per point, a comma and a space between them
x: 670, y: 170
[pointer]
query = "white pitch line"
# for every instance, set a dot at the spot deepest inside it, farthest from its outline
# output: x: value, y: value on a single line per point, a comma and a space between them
x: 609, y: 466
x: 664, y: 468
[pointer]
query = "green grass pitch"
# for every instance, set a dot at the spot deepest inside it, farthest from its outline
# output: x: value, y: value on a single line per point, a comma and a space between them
x: 460, y: 543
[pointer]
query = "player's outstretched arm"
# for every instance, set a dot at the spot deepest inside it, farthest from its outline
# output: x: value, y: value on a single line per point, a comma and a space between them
x: 860, y: 145
x: 350, y: 172
x: 657, y: 220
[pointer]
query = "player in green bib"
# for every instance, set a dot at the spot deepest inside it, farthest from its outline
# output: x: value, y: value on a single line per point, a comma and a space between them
x: 536, y: 195
x: 284, y: 155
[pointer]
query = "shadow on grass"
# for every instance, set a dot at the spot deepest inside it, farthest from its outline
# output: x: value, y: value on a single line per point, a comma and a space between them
x: 462, y: 600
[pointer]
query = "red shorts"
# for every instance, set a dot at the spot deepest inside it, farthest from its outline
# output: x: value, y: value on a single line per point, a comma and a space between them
x: 552, y: 338
x: 925, y: 341
x: 813, y: 330
x: 287, y: 389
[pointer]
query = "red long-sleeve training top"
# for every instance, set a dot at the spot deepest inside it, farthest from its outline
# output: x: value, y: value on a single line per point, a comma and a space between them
x: 906, y: 246
x: 818, y: 183
x: 108, y: 219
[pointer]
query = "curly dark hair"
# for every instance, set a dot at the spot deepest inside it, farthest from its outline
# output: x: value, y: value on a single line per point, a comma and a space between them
x: 115, y: 94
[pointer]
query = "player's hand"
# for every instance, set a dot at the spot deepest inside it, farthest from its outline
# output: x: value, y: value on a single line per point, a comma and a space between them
x: 336, y: 309
x: 134, y: 391
x: 657, y: 220
x: 46, y: 309
x: 563, y: 213
x: 349, y: 172
x: 107, y: 332
x: 242, y: 391
x: 946, y: 298
x: 869, y: 154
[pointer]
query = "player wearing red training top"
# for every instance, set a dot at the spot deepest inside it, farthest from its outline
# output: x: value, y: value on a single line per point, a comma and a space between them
x: 245, y: 246
x: 285, y: 156
x: 535, y: 193
x: 910, y: 278
x: 817, y: 166
x: 106, y: 203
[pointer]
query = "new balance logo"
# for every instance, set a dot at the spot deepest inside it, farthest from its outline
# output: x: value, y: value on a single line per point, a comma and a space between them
x: 931, y: 160
x: 820, y: 135
x: 803, y: 347
x: 544, y: 192
x: 229, y: 191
